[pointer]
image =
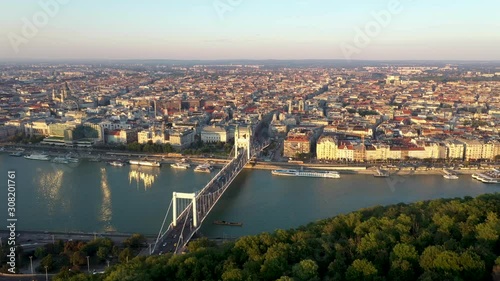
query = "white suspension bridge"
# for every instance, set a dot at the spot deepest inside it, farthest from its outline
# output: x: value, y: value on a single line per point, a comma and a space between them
x: 191, y: 209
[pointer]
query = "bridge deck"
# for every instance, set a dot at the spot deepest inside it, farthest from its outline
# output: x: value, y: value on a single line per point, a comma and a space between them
x: 176, y: 237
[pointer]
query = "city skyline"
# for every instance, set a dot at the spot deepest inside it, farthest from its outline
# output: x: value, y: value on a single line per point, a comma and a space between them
x: 254, y: 30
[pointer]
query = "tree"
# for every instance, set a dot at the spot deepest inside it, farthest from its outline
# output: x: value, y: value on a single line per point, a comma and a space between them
x: 167, y: 148
x: 457, y: 241
x: 102, y: 253
x: 402, y: 270
x: 306, y: 270
x: 447, y: 262
x: 473, y: 268
x: 125, y: 255
x: 285, y: 278
x: 78, y: 259
x: 404, y: 252
x: 361, y: 270
x: 85, y: 132
x: 135, y: 241
x: 234, y: 274
x: 48, y: 262
x: 275, y: 259
x: 40, y: 252
x: 489, y: 230
x: 200, y: 244
x: 428, y: 257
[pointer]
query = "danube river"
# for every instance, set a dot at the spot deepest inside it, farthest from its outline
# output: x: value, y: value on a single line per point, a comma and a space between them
x: 90, y: 196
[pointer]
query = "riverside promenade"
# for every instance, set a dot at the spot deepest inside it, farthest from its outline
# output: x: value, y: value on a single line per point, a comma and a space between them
x: 166, y: 158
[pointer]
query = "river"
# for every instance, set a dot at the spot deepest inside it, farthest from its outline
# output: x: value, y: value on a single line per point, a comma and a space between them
x: 90, y: 196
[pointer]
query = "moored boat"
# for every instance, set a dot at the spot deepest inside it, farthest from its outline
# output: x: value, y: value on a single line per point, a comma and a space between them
x: 17, y: 154
x: 204, y: 168
x: 228, y: 223
x: 72, y: 159
x: 312, y: 174
x: 116, y: 163
x: 60, y: 160
x: 145, y: 163
x: 36, y: 156
x: 180, y: 165
x: 488, y: 177
x: 450, y: 177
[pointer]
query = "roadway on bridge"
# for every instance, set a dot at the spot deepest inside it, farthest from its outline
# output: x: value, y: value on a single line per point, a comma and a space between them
x: 178, y: 235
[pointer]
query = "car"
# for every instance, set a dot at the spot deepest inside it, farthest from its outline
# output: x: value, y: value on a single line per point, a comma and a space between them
x: 164, y: 244
x: 161, y: 253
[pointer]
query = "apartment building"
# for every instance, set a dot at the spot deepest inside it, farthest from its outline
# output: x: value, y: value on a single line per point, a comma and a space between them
x: 473, y: 150
x: 326, y: 148
x: 181, y: 138
x: 455, y: 149
x: 296, y: 144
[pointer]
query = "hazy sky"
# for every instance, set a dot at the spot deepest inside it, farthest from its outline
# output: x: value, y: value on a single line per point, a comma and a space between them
x: 250, y: 29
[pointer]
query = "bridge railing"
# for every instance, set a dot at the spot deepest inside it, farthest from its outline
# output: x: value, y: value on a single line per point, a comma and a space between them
x: 221, y: 192
x: 215, y: 178
x: 239, y: 162
x: 202, y: 191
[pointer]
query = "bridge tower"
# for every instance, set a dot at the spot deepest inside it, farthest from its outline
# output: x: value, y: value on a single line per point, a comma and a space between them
x: 192, y: 197
x: 242, y: 139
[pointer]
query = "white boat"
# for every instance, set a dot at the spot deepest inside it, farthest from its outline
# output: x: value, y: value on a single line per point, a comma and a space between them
x: 475, y: 176
x: 35, y: 156
x: 116, y: 163
x: 450, y: 177
x: 60, y: 160
x: 145, y: 163
x: 488, y: 177
x: 312, y: 174
x: 204, y: 168
x: 72, y: 159
x: 16, y: 154
x: 180, y: 165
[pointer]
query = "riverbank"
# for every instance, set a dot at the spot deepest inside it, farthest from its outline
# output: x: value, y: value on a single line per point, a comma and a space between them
x: 107, y: 156
x: 361, y: 170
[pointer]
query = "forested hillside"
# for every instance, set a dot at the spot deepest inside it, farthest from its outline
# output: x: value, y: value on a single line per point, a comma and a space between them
x: 435, y: 240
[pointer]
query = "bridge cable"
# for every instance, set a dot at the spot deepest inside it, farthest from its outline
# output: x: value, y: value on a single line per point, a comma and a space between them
x: 182, y: 232
x: 163, y: 224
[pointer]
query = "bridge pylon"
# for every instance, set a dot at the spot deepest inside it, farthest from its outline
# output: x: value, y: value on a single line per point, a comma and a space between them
x: 190, y: 196
x: 243, y: 139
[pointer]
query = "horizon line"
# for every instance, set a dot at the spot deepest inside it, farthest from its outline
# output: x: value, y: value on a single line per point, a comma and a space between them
x: 244, y: 59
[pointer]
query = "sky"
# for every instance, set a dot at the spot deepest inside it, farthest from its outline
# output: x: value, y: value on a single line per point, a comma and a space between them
x: 250, y: 29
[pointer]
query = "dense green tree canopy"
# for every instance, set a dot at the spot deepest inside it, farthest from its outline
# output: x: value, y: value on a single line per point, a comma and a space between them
x: 453, y: 239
